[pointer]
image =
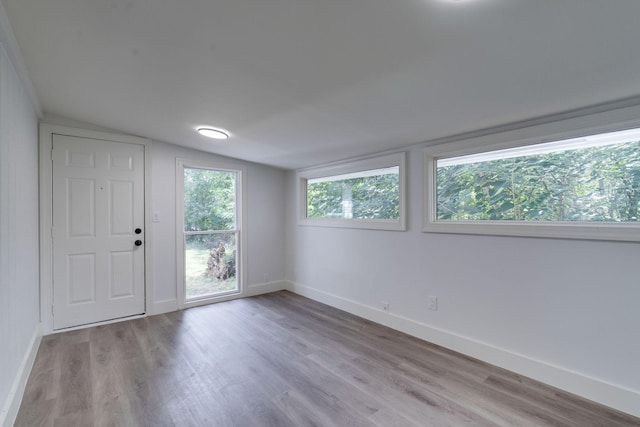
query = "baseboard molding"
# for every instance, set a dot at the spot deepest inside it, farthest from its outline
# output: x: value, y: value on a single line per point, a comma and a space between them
x: 611, y: 395
x: 265, y: 288
x: 165, y: 306
x: 12, y: 404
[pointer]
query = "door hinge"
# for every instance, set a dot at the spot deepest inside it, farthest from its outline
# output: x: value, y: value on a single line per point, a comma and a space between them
x: 51, y: 310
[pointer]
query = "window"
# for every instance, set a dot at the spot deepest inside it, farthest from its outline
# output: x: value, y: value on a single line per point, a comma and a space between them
x: 209, y: 222
x: 359, y: 194
x: 586, y: 187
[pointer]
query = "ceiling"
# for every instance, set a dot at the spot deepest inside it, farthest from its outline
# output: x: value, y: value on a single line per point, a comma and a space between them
x: 304, y: 82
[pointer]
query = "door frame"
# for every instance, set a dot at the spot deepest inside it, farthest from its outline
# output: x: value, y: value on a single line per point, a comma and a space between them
x: 46, y: 213
x: 241, y: 215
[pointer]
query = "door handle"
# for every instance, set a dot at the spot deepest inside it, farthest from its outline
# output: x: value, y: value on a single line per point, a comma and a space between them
x: 138, y: 242
x: 138, y: 230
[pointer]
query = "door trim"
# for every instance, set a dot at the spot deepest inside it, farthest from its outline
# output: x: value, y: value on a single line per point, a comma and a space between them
x: 46, y: 212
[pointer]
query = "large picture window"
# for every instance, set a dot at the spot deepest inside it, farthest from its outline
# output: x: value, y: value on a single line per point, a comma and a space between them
x: 587, y: 187
x: 360, y: 194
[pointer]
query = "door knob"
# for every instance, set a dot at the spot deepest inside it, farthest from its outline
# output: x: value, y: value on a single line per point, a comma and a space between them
x: 138, y: 242
x: 138, y: 230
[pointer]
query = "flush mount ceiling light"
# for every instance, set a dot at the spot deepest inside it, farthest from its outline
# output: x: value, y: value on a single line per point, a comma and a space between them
x: 213, y: 133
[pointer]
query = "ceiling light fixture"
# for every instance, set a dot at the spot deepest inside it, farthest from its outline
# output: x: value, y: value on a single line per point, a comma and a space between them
x: 214, y: 133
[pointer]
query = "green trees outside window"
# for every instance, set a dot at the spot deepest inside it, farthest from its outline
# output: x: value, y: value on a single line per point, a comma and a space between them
x: 372, y: 196
x: 210, y: 232
x: 598, y: 183
x: 210, y: 200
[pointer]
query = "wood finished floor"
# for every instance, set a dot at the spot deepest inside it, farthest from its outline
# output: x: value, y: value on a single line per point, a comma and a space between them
x: 280, y: 360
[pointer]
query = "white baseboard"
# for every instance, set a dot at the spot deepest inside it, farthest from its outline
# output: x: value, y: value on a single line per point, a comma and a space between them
x: 166, y: 306
x: 12, y: 404
x: 265, y: 288
x: 611, y: 395
x: 161, y: 307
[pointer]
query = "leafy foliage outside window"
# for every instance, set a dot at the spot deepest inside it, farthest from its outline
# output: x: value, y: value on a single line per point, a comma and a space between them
x: 365, y: 197
x: 600, y: 183
x: 210, y: 199
x: 210, y: 236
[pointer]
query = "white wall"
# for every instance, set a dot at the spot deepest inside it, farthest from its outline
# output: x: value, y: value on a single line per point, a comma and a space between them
x: 19, y: 262
x: 265, y: 228
x: 562, y: 311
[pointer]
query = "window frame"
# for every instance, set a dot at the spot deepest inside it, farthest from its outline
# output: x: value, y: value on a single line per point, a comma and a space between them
x: 241, y: 230
x: 354, y: 166
x: 550, y: 132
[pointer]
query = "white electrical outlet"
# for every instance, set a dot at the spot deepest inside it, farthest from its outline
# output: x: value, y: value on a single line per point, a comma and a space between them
x: 432, y: 302
x: 265, y: 278
x: 385, y: 306
x: 156, y: 216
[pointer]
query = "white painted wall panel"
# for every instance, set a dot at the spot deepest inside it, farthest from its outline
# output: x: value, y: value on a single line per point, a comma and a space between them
x: 19, y: 281
x: 567, y: 303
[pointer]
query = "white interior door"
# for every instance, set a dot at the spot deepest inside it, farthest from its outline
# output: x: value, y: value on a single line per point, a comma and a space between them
x: 98, y: 230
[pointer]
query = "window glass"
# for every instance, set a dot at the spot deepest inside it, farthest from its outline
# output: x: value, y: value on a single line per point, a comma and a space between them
x: 372, y: 194
x: 365, y: 193
x: 209, y: 200
x: 590, y: 179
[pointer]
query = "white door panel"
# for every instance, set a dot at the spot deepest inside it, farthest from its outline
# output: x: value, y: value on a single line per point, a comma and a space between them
x: 98, y: 203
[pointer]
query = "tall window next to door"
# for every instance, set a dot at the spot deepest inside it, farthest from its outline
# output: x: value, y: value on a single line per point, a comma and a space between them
x: 210, y: 232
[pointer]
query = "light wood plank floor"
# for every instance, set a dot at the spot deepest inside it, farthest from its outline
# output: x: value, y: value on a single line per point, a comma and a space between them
x: 280, y: 360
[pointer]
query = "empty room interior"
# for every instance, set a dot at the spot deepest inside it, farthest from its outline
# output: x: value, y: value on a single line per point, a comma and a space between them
x: 322, y: 213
